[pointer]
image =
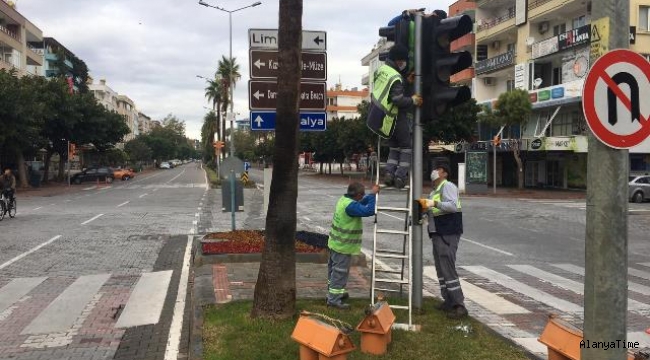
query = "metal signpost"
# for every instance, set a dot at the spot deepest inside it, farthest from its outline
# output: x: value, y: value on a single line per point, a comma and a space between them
x: 263, y: 88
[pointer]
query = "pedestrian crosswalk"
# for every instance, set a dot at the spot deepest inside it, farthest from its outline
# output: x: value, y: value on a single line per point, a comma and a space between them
x: 52, y: 312
x: 570, y: 204
x: 512, y: 297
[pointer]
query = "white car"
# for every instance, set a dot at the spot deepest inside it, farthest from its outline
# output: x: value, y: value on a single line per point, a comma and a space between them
x: 165, y: 165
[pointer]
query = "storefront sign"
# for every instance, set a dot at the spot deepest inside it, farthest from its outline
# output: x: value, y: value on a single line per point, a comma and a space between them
x: 536, y: 144
x: 476, y: 167
x: 521, y: 12
x: 557, y: 93
x: 574, y: 37
x: 495, y: 63
x: 576, y: 144
x: 545, y: 47
x: 521, y: 78
x: 599, y: 37
x: 568, y: 90
x: 543, y: 95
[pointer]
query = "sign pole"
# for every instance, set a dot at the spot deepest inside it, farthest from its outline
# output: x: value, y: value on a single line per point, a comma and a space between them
x: 416, y: 226
x: 605, y: 292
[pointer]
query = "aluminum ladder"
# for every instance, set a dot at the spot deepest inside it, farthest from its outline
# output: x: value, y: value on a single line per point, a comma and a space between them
x: 391, y: 269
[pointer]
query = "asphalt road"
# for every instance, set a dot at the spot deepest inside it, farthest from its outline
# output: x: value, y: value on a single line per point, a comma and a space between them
x: 95, y: 273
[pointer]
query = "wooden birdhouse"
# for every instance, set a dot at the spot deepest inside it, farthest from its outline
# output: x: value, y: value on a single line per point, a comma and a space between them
x: 375, y: 329
x: 319, y: 340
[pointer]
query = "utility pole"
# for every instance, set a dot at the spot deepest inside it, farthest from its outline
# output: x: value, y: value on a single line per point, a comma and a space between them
x: 416, y: 175
x: 605, y: 299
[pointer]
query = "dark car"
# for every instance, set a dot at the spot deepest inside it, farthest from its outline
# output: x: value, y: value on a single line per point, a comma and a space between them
x: 94, y: 174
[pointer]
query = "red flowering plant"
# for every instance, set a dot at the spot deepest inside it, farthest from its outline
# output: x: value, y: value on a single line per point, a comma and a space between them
x: 244, y: 242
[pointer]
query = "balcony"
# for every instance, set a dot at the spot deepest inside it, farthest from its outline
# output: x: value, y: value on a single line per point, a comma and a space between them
x: 490, y: 23
x: 466, y: 42
x: 462, y: 77
x: 33, y: 57
x: 532, y: 4
x: 462, y: 8
x: 365, y: 80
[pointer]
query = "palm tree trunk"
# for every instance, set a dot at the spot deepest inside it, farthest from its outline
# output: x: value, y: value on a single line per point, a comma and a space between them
x: 22, y: 174
x: 275, y: 291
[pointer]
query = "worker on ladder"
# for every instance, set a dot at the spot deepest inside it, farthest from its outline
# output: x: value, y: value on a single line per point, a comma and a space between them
x: 445, y: 228
x: 389, y: 111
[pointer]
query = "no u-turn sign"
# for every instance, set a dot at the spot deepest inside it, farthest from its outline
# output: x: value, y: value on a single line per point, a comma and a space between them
x: 615, y: 99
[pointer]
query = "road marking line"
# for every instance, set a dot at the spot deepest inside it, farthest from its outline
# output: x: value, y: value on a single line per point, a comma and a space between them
x: 29, y: 252
x: 641, y: 337
x: 94, y: 218
x: 519, y: 287
x: 645, y: 264
x: 173, y: 342
x: 143, y: 195
x: 487, y: 246
x: 61, y: 314
x: 480, y: 296
x: 568, y: 284
x: 306, y: 218
x: 67, y: 200
x: 40, y: 207
x: 154, y: 190
x: 638, y: 288
x: 90, y: 188
x: 532, y: 344
x: 122, y: 204
x: 146, y: 301
x: 16, y: 289
x: 175, y: 177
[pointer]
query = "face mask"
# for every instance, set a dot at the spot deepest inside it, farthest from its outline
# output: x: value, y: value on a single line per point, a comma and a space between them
x: 434, y: 175
x: 402, y: 67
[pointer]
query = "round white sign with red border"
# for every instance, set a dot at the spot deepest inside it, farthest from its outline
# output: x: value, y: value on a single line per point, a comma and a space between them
x: 616, y: 99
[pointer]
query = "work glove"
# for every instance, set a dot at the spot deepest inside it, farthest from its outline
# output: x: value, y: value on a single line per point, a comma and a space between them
x: 411, y: 78
x: 417, y: 100
x: 425, y: 204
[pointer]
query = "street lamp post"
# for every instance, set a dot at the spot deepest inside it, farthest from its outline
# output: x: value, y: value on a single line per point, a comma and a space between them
x: 231, y: 114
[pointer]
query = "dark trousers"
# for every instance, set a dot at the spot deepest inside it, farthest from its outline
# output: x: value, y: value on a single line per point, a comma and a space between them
x: 399, y: 155
x: 444, y: 256
x: 338, y: 270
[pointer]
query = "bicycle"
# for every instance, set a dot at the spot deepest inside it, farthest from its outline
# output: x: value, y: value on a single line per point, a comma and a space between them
x: 7, y: 207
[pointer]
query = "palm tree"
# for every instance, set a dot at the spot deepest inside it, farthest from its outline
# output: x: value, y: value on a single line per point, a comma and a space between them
x: 214, y: 94
x: 228, y: 71
x: 275, y: 290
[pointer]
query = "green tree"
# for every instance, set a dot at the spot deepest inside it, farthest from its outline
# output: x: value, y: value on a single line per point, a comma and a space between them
x: 210, y: 122
x: 138, y: 150
x: 512, y: 109
x: 244, y: 144
x: 457, y: 124
x: 275, y: 290
x: 228, y: 72
x: 214, y: 92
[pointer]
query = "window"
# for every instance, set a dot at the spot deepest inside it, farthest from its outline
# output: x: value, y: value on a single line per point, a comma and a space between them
x: 511, y: 47
x: 562, y: 125
x: 559, y: 29
x: 510, y: 85
x: 557, y: 76
x: 643, y: 18
x: 579, y: 21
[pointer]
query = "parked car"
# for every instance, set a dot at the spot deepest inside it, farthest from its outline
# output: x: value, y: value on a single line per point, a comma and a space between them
x: 124, y: 174
x: 102, y: 173
x: 165, y: 165
x: 639, y: 188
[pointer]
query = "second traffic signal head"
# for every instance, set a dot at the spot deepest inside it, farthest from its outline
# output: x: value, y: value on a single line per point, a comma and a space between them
x: 441, y: 63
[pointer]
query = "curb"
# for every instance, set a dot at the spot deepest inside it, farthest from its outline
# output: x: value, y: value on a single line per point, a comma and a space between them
x: 316, y: 258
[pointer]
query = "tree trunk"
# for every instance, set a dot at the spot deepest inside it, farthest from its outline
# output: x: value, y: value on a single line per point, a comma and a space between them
x: 61, y: 173
x: 22, y: 174
x: 329, y: 168
x: 46, y: 166
x: 275, y: 291
x: 341, y: 167
x: 321, y: 168
x: 520, y: 166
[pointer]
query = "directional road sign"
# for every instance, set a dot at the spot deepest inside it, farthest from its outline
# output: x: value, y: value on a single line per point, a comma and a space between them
x: 263, y: 95
x: 268, y: 39
x: 309, y: 121
x: 264, y: 64
x: 614, y: 99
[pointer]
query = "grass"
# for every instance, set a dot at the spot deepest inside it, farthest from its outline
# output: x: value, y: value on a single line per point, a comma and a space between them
x: 230, y: 334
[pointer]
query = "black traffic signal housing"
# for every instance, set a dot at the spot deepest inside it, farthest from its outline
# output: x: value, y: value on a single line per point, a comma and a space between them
x: 439, y: 63
x: 400, y: 33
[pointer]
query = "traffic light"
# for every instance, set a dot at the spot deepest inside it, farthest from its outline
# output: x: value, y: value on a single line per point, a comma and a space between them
x: 402, y: 32
x: 439, y: 63
x: 218, y: 145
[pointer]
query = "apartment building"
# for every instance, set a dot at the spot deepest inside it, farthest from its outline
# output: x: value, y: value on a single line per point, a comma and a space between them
x: 104, y: 94
x: 126, y: 108
x: 19, y: 42
x: 342, y: 103
x: 371, y: 60
x: 465, y: 43
x: 51, y: 50
x: 144, y: 123
x: 542, y: 46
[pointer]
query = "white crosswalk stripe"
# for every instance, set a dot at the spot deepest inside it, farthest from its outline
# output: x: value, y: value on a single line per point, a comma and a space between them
x: 572, y: 204
x: 63, y: 316
x: 632, y: 286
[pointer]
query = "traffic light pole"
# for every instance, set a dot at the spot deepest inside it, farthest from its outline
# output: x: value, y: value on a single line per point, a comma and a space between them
x: 605, y: 293
x: 416, y: 227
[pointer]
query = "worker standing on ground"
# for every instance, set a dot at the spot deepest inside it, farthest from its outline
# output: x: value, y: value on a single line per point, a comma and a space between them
x: 345, y: 239
x: 445, y: 228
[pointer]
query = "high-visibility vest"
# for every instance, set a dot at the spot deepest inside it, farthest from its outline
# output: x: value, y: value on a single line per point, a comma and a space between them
x: 445, y: 223
x: 383, y: 80
x: 347, y: 231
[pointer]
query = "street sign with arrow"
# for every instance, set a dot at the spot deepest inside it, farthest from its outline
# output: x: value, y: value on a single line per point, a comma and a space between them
x: 263, y: 95
x: 264, y: 64
x: 268, y: 39
x: 309, y: 121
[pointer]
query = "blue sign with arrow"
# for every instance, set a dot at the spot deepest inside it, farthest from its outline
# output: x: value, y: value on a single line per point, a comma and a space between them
x: 309, y: 121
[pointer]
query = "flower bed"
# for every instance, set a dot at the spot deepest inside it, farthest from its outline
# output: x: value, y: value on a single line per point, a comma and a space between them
x: 252, y: 241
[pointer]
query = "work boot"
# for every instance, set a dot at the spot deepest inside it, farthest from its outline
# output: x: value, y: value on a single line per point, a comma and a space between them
x: 444, y: 306
x: 388, y: 178
x: 339, y: 305
x: 344, y: 296
x: 457, y: 312
x: 399, y: 182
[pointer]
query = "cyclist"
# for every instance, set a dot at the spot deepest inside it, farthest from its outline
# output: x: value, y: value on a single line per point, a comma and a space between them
x: 8, y: 184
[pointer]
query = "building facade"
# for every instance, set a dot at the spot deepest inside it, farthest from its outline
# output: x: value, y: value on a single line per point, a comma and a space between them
x: 343, y: 103
x: 144, y: 123
x: 543, y: 46
x: 104, y: 94
x: 52, y: 49
x: 126, y: 108
x: 20, y: 42
x: 371, y: 60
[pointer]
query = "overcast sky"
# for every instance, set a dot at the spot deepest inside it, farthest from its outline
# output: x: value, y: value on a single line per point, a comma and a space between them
x: 152, y: 50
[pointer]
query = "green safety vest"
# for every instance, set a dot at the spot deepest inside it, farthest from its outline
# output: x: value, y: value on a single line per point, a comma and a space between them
x: 346, y: 234
x: 436, y: 195
x: 383, y: 80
